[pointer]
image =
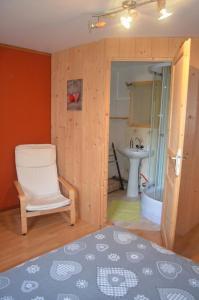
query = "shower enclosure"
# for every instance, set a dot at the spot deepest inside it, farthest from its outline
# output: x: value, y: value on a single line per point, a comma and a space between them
x: 152, y: 196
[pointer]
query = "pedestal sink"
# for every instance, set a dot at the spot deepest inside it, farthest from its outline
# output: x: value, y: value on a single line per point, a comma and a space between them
x: 135, y: 156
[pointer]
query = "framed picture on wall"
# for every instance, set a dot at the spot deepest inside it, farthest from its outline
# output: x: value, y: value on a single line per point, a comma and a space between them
x: 74, y: 94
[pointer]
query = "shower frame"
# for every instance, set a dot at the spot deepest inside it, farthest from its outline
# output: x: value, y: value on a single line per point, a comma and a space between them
x: 159, y: 133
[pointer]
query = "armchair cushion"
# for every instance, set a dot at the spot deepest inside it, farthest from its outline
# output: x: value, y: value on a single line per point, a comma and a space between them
x: 37, y: 170
x: 52, y: 202
x: 35, y: 155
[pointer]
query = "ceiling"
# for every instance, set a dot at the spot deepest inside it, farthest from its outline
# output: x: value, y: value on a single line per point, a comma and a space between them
x: 52, y: 25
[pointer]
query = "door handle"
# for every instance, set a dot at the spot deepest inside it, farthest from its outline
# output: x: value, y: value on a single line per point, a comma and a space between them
x: 175, y: 157
x: 178, y: 161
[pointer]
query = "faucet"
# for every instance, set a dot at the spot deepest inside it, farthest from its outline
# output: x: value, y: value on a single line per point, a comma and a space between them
x: 139, y: 145
x: 131, y: 143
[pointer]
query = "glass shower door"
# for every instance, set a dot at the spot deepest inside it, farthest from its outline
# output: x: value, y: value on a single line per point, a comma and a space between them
x: 158, y: 138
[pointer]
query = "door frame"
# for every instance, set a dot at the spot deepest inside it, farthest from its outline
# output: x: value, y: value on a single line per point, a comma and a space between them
x: 107, y: 85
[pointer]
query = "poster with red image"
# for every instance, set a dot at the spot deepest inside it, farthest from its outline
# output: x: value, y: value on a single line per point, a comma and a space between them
x: 74, y: 94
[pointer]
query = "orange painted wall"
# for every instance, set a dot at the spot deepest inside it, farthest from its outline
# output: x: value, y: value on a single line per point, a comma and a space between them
x: 25, y: 85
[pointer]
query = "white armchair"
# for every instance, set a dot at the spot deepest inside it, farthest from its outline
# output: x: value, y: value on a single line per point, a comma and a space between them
x: 38, y: 184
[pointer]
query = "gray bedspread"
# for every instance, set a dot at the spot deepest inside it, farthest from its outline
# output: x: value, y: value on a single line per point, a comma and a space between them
x: 109, y: 264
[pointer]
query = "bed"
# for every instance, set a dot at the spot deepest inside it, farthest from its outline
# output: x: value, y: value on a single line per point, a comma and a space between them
x: 109, y: 264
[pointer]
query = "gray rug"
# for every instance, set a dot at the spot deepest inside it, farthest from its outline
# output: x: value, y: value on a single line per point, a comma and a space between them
x: 109, y: 264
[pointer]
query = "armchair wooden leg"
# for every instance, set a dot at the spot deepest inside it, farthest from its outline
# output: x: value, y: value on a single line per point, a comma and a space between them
x: 24, y: 226
x: 72, y: 215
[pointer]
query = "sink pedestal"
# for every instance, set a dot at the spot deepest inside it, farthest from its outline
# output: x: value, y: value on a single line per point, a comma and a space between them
x: 135, y: 157
x: 132, y: 189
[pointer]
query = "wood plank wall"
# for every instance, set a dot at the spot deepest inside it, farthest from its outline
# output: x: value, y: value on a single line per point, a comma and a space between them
x: 79, y: 135
x: 82, y: 136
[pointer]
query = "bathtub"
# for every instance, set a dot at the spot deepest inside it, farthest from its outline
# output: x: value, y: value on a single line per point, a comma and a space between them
x: 151, y: 206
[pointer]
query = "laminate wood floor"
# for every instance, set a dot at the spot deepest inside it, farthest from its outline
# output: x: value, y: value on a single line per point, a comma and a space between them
x: 188, y: 245
x: 52, y: 231
x: 44, y: 234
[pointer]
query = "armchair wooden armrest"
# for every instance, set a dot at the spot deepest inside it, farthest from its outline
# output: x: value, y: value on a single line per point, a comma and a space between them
x: 28, y: 214
x: 69, y: 187
x: 22, y: 199
x: 20, y: 191
x: 72, y: 192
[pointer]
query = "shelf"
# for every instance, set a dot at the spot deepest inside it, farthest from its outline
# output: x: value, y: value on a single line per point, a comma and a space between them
x: 119, y: 118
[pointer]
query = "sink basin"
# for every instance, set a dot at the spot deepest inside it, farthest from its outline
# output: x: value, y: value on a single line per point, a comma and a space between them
x: 134, y: 153
x: 135, y: 156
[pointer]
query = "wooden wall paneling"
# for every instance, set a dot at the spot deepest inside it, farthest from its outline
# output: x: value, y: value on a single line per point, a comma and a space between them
x: 126, y: 47
x: 58, y: 93
x: 104, y: 124
x: 75, y: 62
x: 73, y: 155
x: 105, y: 158
x: 62, y: 88
x: 73, y: 123
x: 93, y: 128
x: 61, y: 111
x: 194, y: 54
x: 143, y: 48
x: 76, y: 148
x: 54, y: 96
x: 69, y: 155
x: 60, y: 144
x: 84, y: 201
x: 76, y: 65
x: 112, y: 47
x: 160, y: 47
x: 83, y: 129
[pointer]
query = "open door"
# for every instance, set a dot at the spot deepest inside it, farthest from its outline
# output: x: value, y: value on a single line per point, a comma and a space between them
x: 177, y: 118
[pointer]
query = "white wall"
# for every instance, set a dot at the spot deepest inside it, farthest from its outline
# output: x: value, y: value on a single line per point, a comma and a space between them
x: 120, y: 132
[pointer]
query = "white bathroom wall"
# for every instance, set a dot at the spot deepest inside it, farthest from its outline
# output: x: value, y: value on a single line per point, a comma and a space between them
x: 118, y: 129
x: 120, y: 132
x: 125, y: 72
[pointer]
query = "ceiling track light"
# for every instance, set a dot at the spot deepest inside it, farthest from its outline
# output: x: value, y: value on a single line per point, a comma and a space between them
x: 128, y: 10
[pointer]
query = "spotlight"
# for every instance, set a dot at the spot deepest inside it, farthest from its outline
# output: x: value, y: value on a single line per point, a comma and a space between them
x: 126, y: 21
x: 164, y: 14
x: 128, y: 11
x: 96, y: 24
